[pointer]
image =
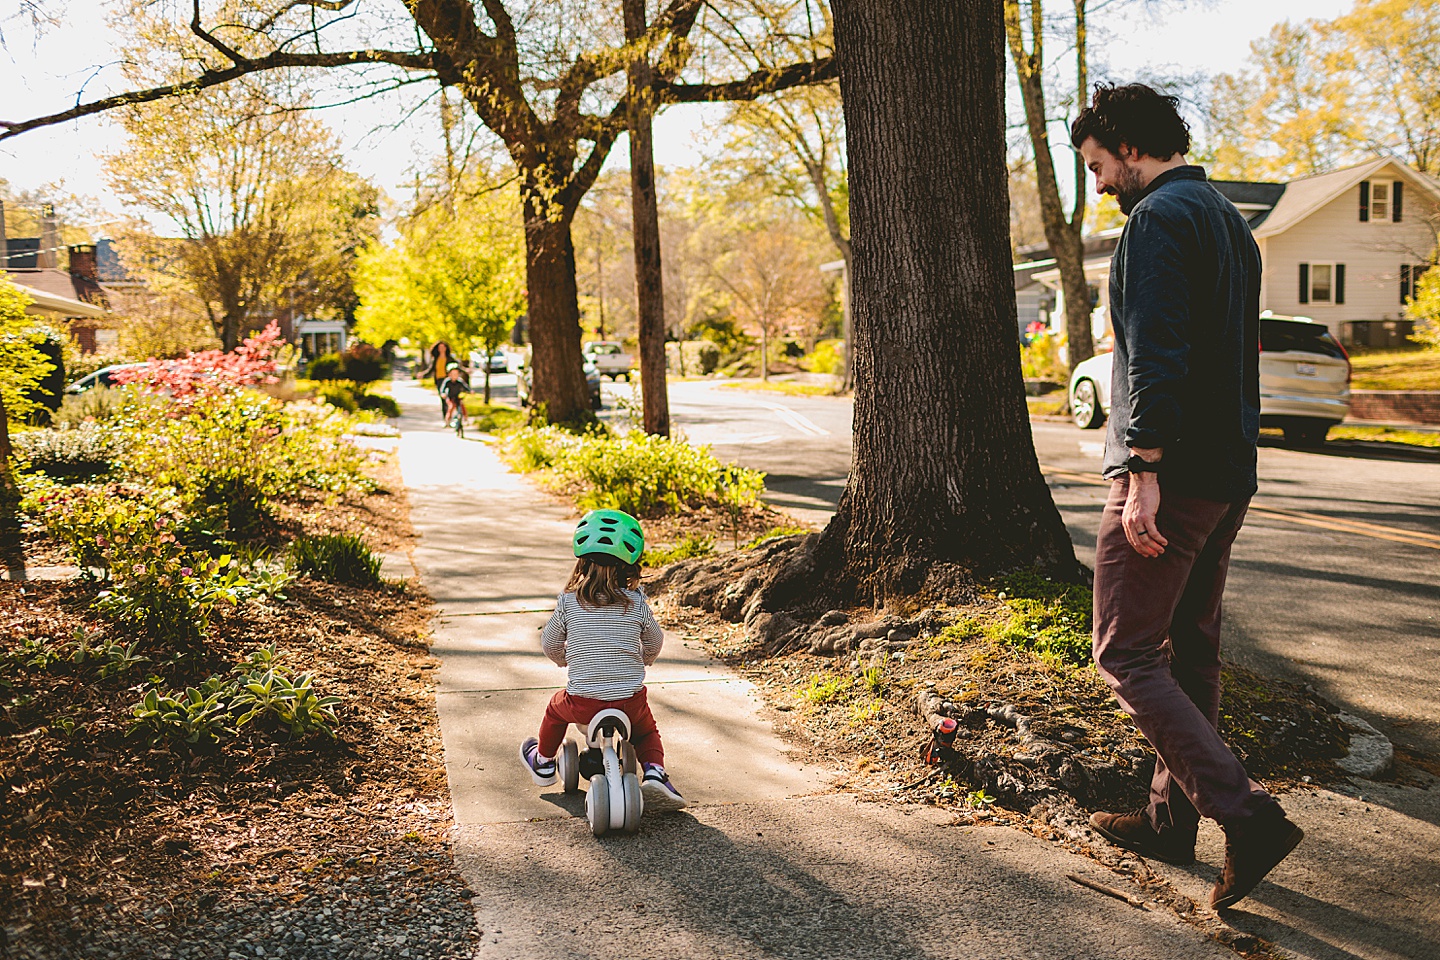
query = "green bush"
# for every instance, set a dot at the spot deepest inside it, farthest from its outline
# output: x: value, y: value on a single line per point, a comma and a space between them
x: 491, y: 417
x: 340, y: 394
x: 360, y: 362
x: 828, y: 357
x: 327, y: 366
x: 700, y: 357
x: 98, y: 404
x: 689, y: 547
x: 81, y: 452
x: 378, y: 403
x: 337, y: 558
x: 637, y: 473
x: 164, y: 592
x: 1040, y: 358
x: 89, y: 519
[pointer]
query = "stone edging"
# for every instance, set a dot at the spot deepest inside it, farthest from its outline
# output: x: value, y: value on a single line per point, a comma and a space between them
x: 1371, y: 753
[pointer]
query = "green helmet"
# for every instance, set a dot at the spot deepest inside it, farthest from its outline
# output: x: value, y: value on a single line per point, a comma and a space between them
x: 610, y: 533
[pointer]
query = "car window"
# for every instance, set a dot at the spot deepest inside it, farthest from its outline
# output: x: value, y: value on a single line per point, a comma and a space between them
x: 605, y: 348
x: 1281, y: 335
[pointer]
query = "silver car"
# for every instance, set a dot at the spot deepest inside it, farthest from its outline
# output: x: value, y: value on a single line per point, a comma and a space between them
x: 1304, y: 381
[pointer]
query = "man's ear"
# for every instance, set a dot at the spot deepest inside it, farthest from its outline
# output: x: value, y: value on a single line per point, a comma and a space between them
x: 1129, y: 154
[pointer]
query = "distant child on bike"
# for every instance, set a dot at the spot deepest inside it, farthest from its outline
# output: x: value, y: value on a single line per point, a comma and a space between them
x: 452, y: 388
x: 604, y: 633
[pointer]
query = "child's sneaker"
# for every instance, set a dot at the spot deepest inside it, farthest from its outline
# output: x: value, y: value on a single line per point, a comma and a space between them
x: 541, y: 771
x: 660, y: 794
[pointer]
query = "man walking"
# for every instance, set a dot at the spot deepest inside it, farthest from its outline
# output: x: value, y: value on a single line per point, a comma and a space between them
x: 1184, y: 419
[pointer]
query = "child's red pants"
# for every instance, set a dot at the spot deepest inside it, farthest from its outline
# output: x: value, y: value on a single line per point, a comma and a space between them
x: 565, y: 709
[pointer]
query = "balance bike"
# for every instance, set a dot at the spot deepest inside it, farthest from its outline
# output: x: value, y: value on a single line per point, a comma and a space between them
x: 614, y: 800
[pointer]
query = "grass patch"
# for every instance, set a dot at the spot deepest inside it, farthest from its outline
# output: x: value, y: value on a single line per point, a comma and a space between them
x: 1396, y: 370
x: 774, y: 533
x: 787, y: 387
x: 823, y: 689
x: 1050, y: 405
x: 491, y: 417
x: 1414, y: 438
x: 689, y: 547
x: 338, y: 558
x: 1049, y: 618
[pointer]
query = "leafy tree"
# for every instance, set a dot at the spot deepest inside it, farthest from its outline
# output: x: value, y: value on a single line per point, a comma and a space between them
x: 457, y: 274
x: 270, y: 219
x: 546, y: 83
x: 1424, y: 309
x: 22, y: 368
x: 1319, y: 95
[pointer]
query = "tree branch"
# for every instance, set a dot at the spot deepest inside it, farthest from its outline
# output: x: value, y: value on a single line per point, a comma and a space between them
x: 211, y: 78
x: 762, y: 81
x: 334, y: 6
x: 212, y: 40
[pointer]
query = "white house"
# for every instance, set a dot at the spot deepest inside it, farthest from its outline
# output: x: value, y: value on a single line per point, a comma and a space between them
x: 1343, y: 248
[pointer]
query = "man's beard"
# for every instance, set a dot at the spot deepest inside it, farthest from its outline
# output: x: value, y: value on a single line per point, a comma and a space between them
x: 1128, y: 188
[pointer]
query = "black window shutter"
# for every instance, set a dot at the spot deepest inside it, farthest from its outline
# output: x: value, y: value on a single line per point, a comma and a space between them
x: 1397, y: 197
x: 1304, y: 283
x: 1404, y: 283
x: 1339, y: 283
x: 1364, y: 201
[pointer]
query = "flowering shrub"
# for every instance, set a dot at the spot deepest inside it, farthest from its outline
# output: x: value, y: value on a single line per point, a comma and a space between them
x: 84, y: 451
x: 89, y: 519
x: 211, y: 371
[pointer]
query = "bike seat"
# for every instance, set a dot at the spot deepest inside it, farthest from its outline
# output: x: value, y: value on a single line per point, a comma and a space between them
x: 604, y: 724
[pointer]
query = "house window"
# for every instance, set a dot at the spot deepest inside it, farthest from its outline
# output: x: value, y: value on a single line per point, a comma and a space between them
x: 1322, y: 283
x: 1379, y: 200
x: 1382, y: 201
x: 1410, y: 274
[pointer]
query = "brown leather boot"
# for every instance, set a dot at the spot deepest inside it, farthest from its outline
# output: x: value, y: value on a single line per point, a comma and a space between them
x: 1133, y: 832
x: 1252, y: 849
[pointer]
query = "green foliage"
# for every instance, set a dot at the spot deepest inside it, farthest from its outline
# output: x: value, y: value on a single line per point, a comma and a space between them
x: 828, y: 357
x: 327, y: 366
x: 1424, y: 309
x: 339, y: 394
x: 1047, y: 616
x: 491, y: 417
x: 166, y: 593
x: 725, y: 332
x: 23, y: 365
x: 1040, y: 358
x: 689, y: 547
x: 81, y: 452
x: 360, y: 363
x: 199, y: 714
x: 378, y: 403
x: 98, y: 404
x: 338, y: 558
x: 272, y: 696
x: 873, y: 677
x: 774, y: 533
x: 89, y: 519
x: 823, y: 689
x: 692, y: 358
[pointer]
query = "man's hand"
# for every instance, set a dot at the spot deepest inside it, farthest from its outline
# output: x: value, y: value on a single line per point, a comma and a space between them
x: 1141, y: 506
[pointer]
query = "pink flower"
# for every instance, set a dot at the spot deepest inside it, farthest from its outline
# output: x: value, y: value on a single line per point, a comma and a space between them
x: 186, y: 571
x: 101, y: 542
x: 138, y: 569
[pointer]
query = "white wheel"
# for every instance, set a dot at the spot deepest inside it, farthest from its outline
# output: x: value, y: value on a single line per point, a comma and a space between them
x: 629, y: 760
x: 570, y: 765
x: 1085, y: 406
x: 597, y: 805
x: 634, y: 803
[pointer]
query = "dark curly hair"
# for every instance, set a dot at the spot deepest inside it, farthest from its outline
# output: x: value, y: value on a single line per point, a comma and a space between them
x: 1135, y: 115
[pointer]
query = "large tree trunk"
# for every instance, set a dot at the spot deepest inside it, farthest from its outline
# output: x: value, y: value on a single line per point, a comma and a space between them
x: 645, y: 216
x: 557, y: 376
x: 944, y: 468
x: 12, y: 546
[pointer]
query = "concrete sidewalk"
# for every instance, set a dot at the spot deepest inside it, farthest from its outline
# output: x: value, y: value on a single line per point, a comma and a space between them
x: 767, y: 862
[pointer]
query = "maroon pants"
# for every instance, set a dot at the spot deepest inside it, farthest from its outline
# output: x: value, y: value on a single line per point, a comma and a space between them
x: 565, y: 709
x: 1157, y: 644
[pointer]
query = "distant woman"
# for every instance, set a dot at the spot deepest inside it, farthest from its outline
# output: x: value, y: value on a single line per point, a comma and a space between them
x: 441, y: 356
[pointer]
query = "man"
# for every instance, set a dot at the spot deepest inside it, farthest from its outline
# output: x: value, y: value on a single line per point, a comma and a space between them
x: 1184, y: 419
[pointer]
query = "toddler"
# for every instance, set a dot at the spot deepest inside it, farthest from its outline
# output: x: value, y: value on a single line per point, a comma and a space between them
x: 605, y: 635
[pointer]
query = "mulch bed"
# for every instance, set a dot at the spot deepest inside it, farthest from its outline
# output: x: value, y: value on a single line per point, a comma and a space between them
x: 101, y: 826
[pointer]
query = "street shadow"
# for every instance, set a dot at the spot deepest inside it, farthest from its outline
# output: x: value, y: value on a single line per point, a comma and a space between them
x: 1362, y: 450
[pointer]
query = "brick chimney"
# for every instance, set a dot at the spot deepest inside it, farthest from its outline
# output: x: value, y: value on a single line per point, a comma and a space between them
x: 49, y: 238
x: 83, y: 262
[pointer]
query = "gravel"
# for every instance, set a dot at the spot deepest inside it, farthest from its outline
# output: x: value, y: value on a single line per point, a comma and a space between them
x: 408, y: 904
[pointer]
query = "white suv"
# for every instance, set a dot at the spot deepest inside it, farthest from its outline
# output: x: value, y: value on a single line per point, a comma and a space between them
x: 1304, y: 381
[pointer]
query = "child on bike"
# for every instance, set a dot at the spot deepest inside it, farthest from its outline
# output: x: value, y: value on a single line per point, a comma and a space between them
x: 603, y: 632
x: 452, y: 388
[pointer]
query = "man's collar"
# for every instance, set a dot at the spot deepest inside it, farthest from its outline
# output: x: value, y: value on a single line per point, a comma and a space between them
x: 1186, y: 172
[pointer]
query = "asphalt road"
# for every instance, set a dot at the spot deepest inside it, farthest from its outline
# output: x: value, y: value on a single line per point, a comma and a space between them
x: 1335, y: 580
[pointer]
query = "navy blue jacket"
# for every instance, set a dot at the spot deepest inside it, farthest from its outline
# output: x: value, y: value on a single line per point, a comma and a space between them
x: 1185, y: 307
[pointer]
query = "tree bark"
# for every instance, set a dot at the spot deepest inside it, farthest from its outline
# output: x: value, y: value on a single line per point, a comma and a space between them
x: 558, y: 377
x: 944, y: 469
x: 645, y: 218
x: 12, y: 546
x: 1065, y: 237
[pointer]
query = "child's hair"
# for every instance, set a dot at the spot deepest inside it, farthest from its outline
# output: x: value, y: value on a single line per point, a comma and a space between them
x: 602, y: 581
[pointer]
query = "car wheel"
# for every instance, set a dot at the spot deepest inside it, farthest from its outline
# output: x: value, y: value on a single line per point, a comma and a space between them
x: 1085, y: 406
x: 1306, y: 434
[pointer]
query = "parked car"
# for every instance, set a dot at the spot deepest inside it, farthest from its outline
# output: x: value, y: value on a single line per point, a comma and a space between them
x: 104, y: 377
x: 610, y: 358
x: 1304, y: 381
x: 495, y: 361
x: 592, y: 381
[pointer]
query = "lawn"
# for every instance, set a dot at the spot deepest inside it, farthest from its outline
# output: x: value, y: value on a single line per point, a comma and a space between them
x: 1396, y: 370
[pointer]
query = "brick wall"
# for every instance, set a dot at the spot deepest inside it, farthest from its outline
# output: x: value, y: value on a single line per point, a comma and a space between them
x: 1416, y: 406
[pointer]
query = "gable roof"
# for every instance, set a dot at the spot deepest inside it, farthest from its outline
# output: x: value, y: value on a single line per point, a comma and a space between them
x: 1306, y: 195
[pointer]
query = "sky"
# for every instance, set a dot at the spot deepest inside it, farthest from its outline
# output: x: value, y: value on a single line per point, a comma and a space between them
x: 43, y: 74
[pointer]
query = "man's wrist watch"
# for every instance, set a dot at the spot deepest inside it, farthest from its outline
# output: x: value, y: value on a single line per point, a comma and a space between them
x: 1138, y: 464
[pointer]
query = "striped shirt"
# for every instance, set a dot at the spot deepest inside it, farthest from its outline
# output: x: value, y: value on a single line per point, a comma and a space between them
x: 606, y: 648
